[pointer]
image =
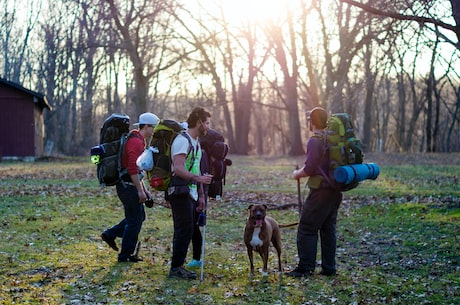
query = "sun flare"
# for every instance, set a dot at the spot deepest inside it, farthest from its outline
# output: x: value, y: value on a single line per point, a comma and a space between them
x: 256, y: 10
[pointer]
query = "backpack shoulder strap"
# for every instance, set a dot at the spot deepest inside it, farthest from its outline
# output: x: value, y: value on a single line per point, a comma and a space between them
x: 124, y: 139
x: 324, y: 136
x: 191, y: 148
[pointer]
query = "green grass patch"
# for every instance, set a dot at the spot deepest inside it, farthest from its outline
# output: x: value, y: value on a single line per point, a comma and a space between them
x: 397, y: 240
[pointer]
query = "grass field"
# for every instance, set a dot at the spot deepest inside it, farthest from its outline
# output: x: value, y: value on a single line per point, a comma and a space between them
x: 398, y: 238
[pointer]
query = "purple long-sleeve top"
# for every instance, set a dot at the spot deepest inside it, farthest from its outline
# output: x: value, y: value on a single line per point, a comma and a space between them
x: 316, y: 156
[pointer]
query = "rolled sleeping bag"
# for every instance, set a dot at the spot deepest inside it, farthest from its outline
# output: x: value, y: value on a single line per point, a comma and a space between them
x: 356, y: 172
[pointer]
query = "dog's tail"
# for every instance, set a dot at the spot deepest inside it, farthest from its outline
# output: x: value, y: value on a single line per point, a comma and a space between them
x: 288, y: 225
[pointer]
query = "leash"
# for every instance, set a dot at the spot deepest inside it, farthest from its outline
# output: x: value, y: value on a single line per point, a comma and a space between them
x: 288, y: 225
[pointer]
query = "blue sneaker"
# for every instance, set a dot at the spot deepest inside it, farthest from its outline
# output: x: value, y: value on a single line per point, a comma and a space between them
x: 194, y: 263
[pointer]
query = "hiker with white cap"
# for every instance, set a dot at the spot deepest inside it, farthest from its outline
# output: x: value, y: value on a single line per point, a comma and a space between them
x: 147, y: 118
x: 132, y: 192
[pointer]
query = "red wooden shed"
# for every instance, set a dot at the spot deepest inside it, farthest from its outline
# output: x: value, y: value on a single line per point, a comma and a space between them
x: 21, y: 121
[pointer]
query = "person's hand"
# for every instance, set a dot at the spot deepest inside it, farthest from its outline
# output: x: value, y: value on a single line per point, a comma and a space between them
x: 148, y: 194
x: 296, y: 174
x: 200, y: 206
x: 142, y: 196
x: 204, y: 179
x: 167, y: 204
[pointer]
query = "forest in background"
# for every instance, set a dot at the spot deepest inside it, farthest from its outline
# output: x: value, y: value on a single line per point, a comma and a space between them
x: 393, y: 65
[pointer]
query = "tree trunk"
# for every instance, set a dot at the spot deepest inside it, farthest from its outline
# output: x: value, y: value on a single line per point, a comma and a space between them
x: 243, y: 105
x: 368, y: 102
x: 428, y: 115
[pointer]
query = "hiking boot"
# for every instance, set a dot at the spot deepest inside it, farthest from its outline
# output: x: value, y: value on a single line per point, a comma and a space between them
x: 194, y: 263
x: 109, y: 241
x: 299, y: 273
x: 328, y: 273
x: 181, y: 273
x: 130, y: 259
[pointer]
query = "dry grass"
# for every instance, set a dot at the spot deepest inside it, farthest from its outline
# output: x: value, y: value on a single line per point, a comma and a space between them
x: 398, y: 238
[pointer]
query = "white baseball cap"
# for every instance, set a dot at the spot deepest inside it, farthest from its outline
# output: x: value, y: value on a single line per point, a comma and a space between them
x: 147, y: 118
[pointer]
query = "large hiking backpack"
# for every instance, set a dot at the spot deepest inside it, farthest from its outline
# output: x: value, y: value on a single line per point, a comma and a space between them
x: 164, y: 134
x: 216, y: 150
x: 108, y: 154
x: 343, y: 147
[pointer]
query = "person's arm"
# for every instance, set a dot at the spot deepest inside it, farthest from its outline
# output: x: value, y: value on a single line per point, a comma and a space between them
x: 201, y: 199
x: 313, y: 159
x: 140, y: 188
x: 134, y: 148
x: 299, y: 173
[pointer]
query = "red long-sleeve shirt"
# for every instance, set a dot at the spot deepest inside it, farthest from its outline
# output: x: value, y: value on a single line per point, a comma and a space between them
x: 133, y: 149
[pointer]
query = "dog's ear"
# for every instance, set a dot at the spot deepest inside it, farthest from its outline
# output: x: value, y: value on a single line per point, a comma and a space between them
x: 250, y: 206
x: 265, y: 206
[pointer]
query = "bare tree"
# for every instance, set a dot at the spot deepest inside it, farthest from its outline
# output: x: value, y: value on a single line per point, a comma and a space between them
x: 370, y: 77
x: 243, y: 91
x: 210, y: 51
x: 91, y: 57
x: 311, y: 85
x: 138, y: 24
x: 221, y: 47
x: 422, y: 20
x: 51, y: 75
x: 15, y: 36
x: 351, y: 40
x: 285, y: 54
x: 93, y: 61
x: 429, y: 15
x: 453, y: 144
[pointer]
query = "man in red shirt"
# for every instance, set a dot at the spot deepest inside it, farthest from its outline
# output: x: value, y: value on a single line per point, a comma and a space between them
x: 132, y: 192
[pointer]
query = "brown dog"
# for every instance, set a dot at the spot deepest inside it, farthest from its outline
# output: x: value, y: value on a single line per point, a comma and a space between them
x: 259, y: 231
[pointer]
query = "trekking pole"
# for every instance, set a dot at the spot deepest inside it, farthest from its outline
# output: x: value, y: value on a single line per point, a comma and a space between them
x: 299, y: 195
x: 202, y: 221
x: 138, y: 247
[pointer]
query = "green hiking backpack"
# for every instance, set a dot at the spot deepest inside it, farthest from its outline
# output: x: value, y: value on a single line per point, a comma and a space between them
x: 343, y: 147
x: 164, y: 134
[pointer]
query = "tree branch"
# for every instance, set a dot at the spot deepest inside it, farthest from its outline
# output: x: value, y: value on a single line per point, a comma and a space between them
x: 398, y: 16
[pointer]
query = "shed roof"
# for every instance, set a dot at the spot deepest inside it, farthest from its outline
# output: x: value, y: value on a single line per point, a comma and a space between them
x: 41, y: 98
